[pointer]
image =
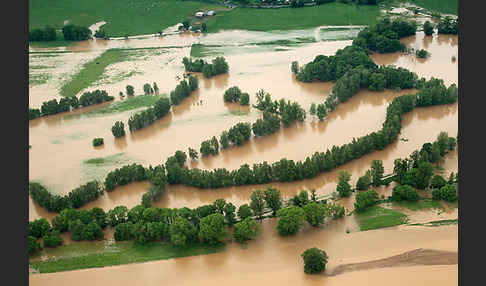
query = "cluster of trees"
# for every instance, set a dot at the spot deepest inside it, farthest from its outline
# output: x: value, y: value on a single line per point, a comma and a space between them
x: 384, y: 36
x: 235, y: 136
x: 40, y: 228
x: 98, y: 141
x: 148, y: 116
x: 130, y: 90
x: 234, y: 94
x: 447, y: 192
x: 434, y: 92
x: 297, y: 3
x: 66, y: 103
x: 76, y: 33
x: 217, y: 66
x: 209, y: 147
x: 448, y: 26
x: 330, y: 68
x: 373, y: 176
x: 270, y: 123
x: 183, y: 90
x: 428, y: 28
x: 404, y: 193
x: 320, y: 110
x: 75, y: 199
x: 46, y: 34
x: 288, y: 112
x: 125, y: 175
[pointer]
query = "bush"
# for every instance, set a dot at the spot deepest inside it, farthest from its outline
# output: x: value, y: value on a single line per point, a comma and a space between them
x: 232, y: 94
x: 130, y: 90
x: 46, y: 34
x: 404, y: 193
x: 123, y: 231
x: 428, y: 28
x: 52, y: 239
x: 118, y: 129
x: 448, y: 26
x: 98, y: 142
x: 34, y: 245
x: 76, y: 33
x: 245, y: 230
x: 421, y: 53
x: 39, y: 228
x: 315, y: 260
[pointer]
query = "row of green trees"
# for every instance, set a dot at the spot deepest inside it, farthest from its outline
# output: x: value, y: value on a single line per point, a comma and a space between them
x: 148, y: 116
x: 76, y: 33
x: 288, y: 111
x: 448, y: 25
x: 217, y: 66
x: 75, y: 199
x: 67, y: 103
x: 46, y: 34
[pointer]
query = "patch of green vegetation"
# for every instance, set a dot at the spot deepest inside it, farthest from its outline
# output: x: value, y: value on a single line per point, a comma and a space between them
x: 290, y: 19
x: 38, y: 79
x: 424, y: 204
x: 378, y: 217
x: 129, y: 103
x: 437, y: 223
x: 441, y: 6
x: 200, y: 50
x: 60, y: 42
x: 104, y: 79
x: 109, y: 160
x: 91, y: 72
x: 123, y: 17
x: 95, y: 254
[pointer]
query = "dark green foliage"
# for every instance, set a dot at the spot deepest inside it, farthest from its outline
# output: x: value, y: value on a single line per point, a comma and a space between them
x: 34, y: 113
x: 324, y: 68
x: 217, y: 66
x: 239, y: 133
x: 315, y: 213
x: 244, y: 211
x: 301, y: 199
x: 315, y: 260
x: 182, y: 232
x: 34, y: 245
x: 232, y: 94
x: 273, y: 199
x: 335, y: 210
x: 313, y: 109
x: 94, y: 97
x: 101, y: 34
x: 289, y: 112
x: 44, y: 35
x: 294, y: 67
x: 447, y: 193
x: 229, y: 213
x: 290, y: 221
x: 212, y: 229
x: 434, y: 92
x: 130, y: 90
x: 257, y: 203
x: 404, y: 193
x: 364, y: 182
x: 343, y: 187
x: 321, y: 111
x: 123, y: 231
x: 245, y: 230
x: 209, y: 147
x: 428, y: 28
x: 76, y: 33
x: 118, y: 129
x: 448, y: 25
x: 82, y: 231
x: 126, y: 174
x: 117, y: 215
x: 192, y: 154
x: 147, y: 88
x: 39, y: 228
x: 377, y: 171
x: 98, y: 141
x: 268, y: 125
x: 437, y: 182
x: 52, y: 239
x: 421, y: 53
x: 193, y: 83
x: 244, y: 98
x: 181, y: 91
x: 365, y: 199
x: 66, y: 103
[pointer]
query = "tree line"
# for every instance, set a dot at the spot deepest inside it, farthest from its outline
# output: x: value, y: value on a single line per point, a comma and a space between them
x: 67, y: 103
x: 76, y: 33
x: 44, y: 35
x: 217, y: 66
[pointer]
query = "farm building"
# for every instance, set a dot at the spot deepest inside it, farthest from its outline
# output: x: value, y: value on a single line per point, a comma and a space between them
x: 199, y: 14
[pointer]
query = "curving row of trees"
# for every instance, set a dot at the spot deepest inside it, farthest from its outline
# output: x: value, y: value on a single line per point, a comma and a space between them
x: 216, y: 67
x: 75, y: 199
x: 67, y: 103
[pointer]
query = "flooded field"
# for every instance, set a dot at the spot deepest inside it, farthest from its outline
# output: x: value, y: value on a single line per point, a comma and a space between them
x: 61, y: 154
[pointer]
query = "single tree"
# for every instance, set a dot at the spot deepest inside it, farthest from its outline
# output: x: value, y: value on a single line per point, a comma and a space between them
x: 257, y: 203
x: 315, y: 260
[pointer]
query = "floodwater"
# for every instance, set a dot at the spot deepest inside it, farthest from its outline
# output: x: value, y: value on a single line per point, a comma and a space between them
x: 61, y: 144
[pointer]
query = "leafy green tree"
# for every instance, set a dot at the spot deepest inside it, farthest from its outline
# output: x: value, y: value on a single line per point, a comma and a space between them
x: 437, y: 182
x: 424, y: 174
x: 400, y: 169
x: 290, y: 221
x: 334, y: 210
x: 244, y: 98
x: 315, y: 213
x: 229, y: 213
x: 313, y: 110
x: 34, y: 245
x: 39, y: 227
x: 60, y: 222
x: 182, y: 232
x: 118, y: 129
x: 244, y: 211
x: 124, y: 231
x: 219, y: 205
x: 321, y: 111
x: 365, y: 200
x: 313, y: 195
x: 98, y: 141
x: 193, y: 82
x: 257, y: 203
x: 422, y: 53
x: 343, y: 186
x: 315, y: 260
x: 232, y: 94
x: 377, y: 171
x: 117, y: 215
x: 52, y: 239
x: 404, y: 193
x: 364, y: 182
x: 156, y: 88
x: 245, y: 230
x: 452, y: 179
x: 186, y: 24
x: 130, y: 90
x: 294, y: 67
x: 207, y: 71
x: 212, y: 229
x: 147, y: 88
x: 273, y: 199
x: 224, y: 140
x: 192, y: 154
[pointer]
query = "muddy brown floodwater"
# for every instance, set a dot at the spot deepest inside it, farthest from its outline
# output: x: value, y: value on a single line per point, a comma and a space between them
x: 61, y: 143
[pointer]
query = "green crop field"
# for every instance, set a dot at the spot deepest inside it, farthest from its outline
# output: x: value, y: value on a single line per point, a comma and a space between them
x: 378, y: 217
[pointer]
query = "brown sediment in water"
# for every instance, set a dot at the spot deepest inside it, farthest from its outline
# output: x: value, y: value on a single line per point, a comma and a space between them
x: 410, y: 258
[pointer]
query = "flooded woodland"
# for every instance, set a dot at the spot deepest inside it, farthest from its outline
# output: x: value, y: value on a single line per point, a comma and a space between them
x: 61, y: 152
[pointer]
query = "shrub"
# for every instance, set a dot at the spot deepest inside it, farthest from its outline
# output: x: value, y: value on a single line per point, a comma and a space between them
x: 98, y: 142
x: 365, y: 200
x: 404, y: 193
x: 232, y: 94
x: 118, y: 129
x: 421, y: 53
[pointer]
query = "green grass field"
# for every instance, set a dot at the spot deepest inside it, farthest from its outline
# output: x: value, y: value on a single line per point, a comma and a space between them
x: 91, y: 72
x: 424, y: 204
x: 442, y: 6
x: 82, y: 255
x: 289, y: 18
x: 123, y: 17
x: 129, y: 103
x: 378, y: 217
